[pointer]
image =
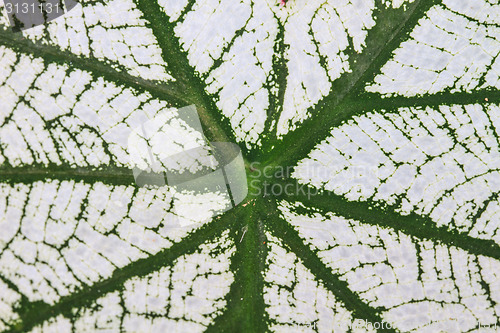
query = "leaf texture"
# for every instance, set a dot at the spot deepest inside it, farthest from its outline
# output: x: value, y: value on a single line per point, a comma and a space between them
x: 370, y: 138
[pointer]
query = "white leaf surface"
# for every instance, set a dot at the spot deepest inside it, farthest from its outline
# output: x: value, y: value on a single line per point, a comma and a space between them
x: 423, y: 286
x: 457, y: 44
x: 443, y: 163
x: 183, y: 297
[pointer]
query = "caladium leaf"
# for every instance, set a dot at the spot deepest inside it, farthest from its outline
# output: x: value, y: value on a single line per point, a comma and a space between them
x: 370, y: 138
x: 440, y: 162
x: 111, y: 31
x: 185, y: 296
x: 402, y: 275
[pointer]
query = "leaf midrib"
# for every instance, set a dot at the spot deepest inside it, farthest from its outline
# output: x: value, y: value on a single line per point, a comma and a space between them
x: 245, y: 310
x: 188, y: 89
x: 216, y: 127
x: 372, y: 213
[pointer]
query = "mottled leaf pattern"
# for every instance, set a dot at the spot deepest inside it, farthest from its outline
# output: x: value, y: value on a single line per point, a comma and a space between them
x: 439, y: 162
x: 375, y: 125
